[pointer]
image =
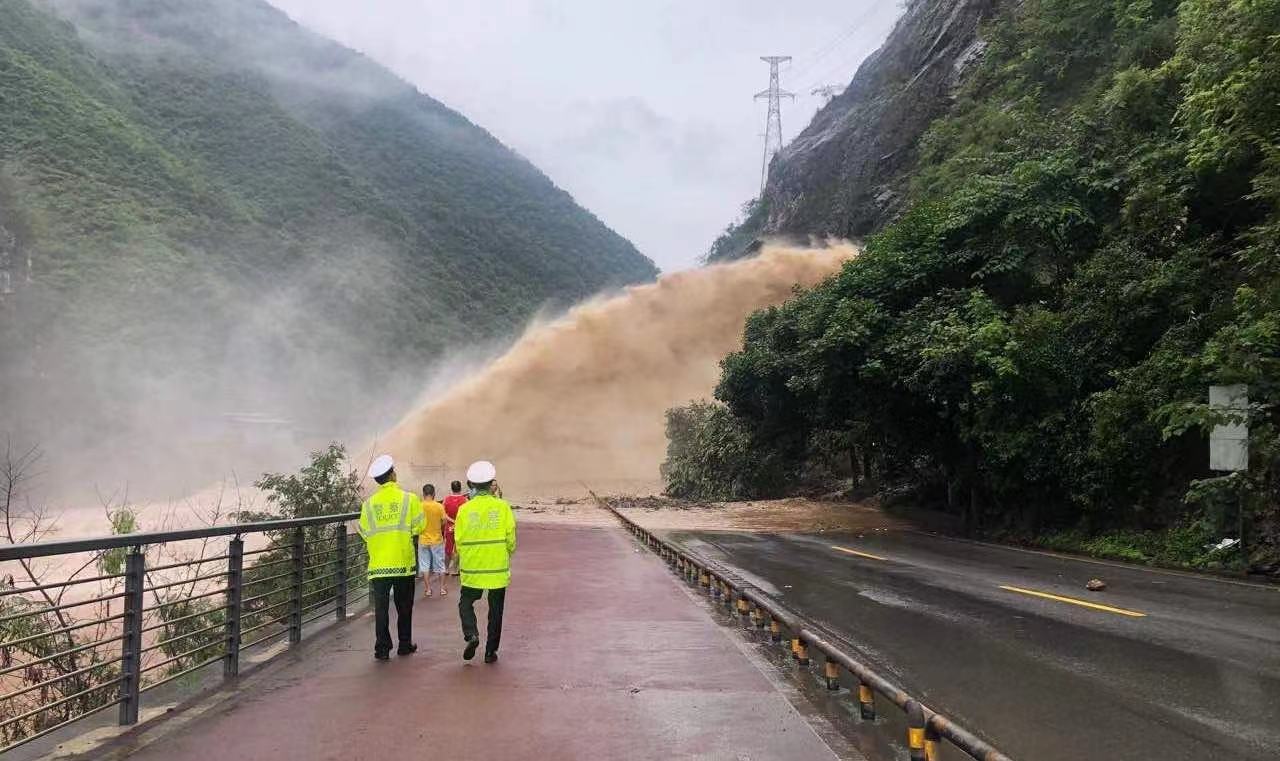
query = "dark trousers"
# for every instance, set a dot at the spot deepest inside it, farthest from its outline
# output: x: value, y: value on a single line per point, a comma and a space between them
x: 466, y: 609
x: 382, y: 590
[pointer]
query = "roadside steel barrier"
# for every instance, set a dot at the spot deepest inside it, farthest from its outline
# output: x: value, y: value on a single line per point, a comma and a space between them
x: 146, y: 629
x: 926, y: 728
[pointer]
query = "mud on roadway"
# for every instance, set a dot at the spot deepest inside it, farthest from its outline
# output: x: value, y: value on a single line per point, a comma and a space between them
x: 1013, y: 643
x: 792, y: 515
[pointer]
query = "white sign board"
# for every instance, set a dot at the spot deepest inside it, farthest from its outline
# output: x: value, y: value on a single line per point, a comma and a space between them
x: 1229, y: 443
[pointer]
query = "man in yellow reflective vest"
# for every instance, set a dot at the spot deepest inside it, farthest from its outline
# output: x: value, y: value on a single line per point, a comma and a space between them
x: 390, y: 519
x: 484, y: 536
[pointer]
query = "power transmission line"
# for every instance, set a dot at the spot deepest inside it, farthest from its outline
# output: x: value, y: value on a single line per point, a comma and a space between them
x: 817, y: 56
x: 773, y: 121
x: 841, y: 68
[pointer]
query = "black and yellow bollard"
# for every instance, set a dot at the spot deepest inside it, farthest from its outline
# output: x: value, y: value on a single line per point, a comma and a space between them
x: 832, y: 673
x: 866, y: 701
x: 931, y: 743
x: 915, y: 731
x: 775, y: 629
x: 744, y: 608
x: 704, y: 580
x: 800, y: 650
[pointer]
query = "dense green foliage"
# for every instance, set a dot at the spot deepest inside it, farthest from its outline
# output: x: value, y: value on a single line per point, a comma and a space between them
x: 1093, y: 239
x: 268, y: 206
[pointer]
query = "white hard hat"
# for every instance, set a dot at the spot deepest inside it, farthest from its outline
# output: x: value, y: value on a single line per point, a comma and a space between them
x: 481, y: 472
x: 381, y: 465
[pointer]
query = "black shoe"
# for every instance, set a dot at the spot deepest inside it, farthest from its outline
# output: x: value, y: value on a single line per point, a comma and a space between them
x: 408, y: 649
x: 382, y: 656
x: 490, y: 657
x: 470, y: 651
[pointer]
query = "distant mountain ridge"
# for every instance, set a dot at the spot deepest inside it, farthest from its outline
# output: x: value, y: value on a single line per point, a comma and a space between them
x: 210, y: 177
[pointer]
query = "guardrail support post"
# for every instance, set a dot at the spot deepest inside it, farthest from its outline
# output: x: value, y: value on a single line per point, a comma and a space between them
x: 235, y: 593
x: 135, y: 569
x: 340, y: 597
x: 866, y: 701
x: 743, y: 608
x: 931, y: 742
x: 802, y: 653
x: 295, y: 605
x: 832, y: 674
x: 775, y: 631
x: 915, y: 731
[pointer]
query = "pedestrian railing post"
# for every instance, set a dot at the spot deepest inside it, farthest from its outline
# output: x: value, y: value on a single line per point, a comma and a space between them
x: 802, y: 652
x: 340, y: 597
x: 295, y: 606
x: 915, y: 731
x: 135, y: 569
x: 931, y: 743
x: 235, y: 593
x: 775, y: 630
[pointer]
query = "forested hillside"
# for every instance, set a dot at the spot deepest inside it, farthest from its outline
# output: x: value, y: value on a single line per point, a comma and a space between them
x: 206, y: 208
x: 1089, y: 238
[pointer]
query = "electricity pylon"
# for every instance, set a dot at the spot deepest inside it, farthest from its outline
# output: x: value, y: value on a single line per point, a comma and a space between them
x: 773, y: 122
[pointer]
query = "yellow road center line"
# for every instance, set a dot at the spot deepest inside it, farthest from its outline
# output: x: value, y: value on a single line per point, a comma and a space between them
x: 856, y: 552
x: 1074, y: 601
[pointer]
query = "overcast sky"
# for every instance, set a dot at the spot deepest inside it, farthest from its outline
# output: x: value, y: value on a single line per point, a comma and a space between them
x: 642, y: 110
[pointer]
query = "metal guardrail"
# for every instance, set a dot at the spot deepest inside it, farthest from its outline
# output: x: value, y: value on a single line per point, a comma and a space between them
x: 926, y: 728
x: 57, y: 667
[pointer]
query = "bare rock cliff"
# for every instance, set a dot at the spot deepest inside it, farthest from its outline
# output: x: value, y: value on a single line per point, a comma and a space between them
x: 846, y: 173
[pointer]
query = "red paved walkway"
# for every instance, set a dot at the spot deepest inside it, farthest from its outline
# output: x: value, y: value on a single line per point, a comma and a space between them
x: 604, y: 656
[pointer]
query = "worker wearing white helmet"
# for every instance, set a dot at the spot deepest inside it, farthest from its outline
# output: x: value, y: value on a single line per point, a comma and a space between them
x: 485, y: 538
x: 389, y: 520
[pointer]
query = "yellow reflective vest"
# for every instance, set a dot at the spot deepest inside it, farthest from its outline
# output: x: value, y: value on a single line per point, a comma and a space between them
x: 485, y: 537
x: 389, y: 520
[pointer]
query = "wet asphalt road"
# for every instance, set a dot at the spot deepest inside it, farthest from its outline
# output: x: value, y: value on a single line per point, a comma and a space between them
x: 1196, y: 677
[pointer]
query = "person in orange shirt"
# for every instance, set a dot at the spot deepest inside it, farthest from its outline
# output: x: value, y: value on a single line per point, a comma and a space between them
x: 431, y: 542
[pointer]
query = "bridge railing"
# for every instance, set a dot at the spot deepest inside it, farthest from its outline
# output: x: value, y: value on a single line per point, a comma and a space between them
x: 926, y: 728
x: 91, y: 624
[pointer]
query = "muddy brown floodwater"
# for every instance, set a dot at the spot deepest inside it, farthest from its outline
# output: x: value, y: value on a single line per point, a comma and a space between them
x: 581, y: 400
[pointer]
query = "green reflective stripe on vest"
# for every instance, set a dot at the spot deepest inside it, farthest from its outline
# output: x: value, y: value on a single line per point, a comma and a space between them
x: 481, y: 541
x: 384, y: 530
x: 404, y: 512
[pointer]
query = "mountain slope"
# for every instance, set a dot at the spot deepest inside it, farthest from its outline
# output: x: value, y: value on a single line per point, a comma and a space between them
x: 845, y: 174
x: 1083, y: 238
x: 288, y: 220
